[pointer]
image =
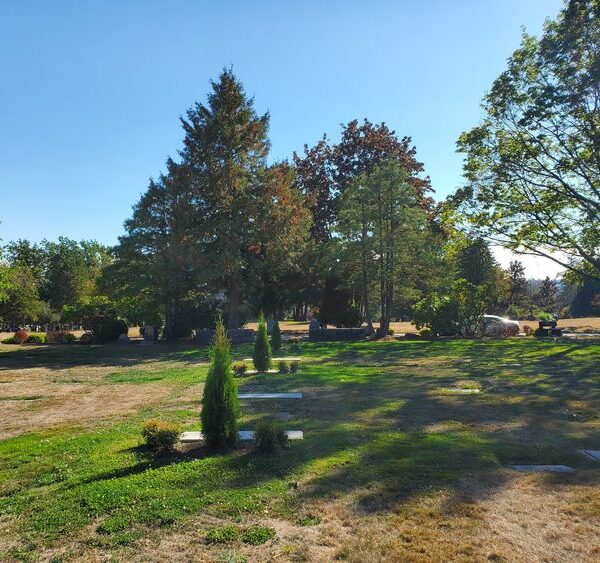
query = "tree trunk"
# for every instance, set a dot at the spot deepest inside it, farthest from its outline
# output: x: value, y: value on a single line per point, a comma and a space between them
x: 233, y: 299
x: 168, y: 318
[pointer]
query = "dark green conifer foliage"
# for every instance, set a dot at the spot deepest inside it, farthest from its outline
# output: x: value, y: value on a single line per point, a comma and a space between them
x: 276, y: 337
x: 262, y: 349
x: 220, y: 407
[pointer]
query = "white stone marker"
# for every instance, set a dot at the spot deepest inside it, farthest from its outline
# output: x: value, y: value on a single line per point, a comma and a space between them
x: 254, y: 372
x: 465, y: 390
x: 592, y: 454
x: 543, y: 468
x: 243, y: 435
x: 285, y: 359
x: 270, y: 396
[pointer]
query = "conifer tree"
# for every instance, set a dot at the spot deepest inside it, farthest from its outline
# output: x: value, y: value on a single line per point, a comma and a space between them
x: 276, y: 337
x: 220, y: 407
x: 262, y: 349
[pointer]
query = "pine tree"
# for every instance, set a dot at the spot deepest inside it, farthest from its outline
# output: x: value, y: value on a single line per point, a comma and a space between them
x: 262, y: 349
x: 547, y: 296
x: 220, y: 407
x: 276, y: 337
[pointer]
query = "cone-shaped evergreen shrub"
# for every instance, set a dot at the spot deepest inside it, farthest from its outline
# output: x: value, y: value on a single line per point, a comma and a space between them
x: 220, y: 407
x: 262, y: 349
x: 276, y: 337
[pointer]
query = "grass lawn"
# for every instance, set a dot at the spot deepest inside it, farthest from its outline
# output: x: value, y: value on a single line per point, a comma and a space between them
x: 394, y: 466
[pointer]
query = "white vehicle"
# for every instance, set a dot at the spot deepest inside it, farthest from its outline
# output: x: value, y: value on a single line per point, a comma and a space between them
x: 499, y: 326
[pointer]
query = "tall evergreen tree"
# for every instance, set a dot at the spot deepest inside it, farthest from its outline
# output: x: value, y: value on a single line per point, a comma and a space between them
x: 220, y: 406
x: 518, y: 294
x: 225, y: 147
x: 547, y: 296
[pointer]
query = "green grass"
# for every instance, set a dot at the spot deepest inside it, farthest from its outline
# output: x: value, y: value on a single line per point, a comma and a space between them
x: 377, y: 430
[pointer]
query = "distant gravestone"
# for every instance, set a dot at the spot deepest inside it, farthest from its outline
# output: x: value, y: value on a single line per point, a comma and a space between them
x: 150, y: 334
x: 543, y: 468
x: 124, y: 339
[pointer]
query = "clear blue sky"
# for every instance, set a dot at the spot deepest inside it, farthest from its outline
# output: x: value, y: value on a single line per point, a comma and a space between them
x: 90, y: 92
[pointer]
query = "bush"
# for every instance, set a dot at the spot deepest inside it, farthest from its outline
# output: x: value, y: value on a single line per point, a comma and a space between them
x: 527, y: 330
x: 293, y: 340
x: 220, y: 406
x: 20, y: 336
x: 160, y: 436
x: 543, y: 316
x: 86, y: 338
x: 36, y: 339
x: 225, y: 534
x: 294, y: 364
x: 9, y: 340
x: 257, y: 535
x: 108, y: 329
x: 60, y: 337
x: 262, y: 349
x: 269, y: 437
x: 276, y: 337
x: 390, y: 332
x: 239, y: 369
x: 283, y: 366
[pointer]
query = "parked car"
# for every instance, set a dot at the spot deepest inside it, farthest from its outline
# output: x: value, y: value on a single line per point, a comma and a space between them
x: 499, y: 326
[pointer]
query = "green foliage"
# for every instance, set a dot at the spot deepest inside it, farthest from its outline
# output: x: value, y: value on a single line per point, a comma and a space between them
x: 458, y: 313
x: 114, y: 524
x: 36, y: 338
x: 224, y: 534
x: 239, y: 369
x: 262, y: 355
x: 283, y: 366
x: 21, y: 303
x: 276, y: 337
x: 257, y: 535
x: 294, y: 364
x: 544, y: 316
x: 98, y: 315
x: 220, y: 407
x: 9, y: 340
x: 337, y: 307
x: 532, y: 164
x: 269, y: 437
x: 160, y: 436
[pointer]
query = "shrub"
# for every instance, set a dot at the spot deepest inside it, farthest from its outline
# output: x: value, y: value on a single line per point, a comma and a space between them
x: 276, y: 337
x: 108, y: 329
x: 36, y: 339
x: 9, y: 340
x: 527, y: 330
x: 293, y: 340
x: 256, y: 535
x: 160, y: 436
x: 86, y: 338
x: 544, y: 316
x: 20, y: 336
x: 269, y: 437
x: 220, y: 406
x: 239, y: 369
x: 390, y: 332
x: 283, y: 366
x: 60, y: 337
x: 262, y: 349
x: 510, y: 330
x: 224, y: 534
x: 294, y: 364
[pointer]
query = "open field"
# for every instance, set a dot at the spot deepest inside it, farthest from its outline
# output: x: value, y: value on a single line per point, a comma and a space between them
x: 394, y: 465
x: 588, y: 324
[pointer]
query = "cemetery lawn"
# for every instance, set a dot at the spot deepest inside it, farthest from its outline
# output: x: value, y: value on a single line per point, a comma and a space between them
x: 395, y: 464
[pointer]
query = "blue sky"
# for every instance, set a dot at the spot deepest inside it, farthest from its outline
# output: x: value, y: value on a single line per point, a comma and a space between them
x: 91, y: 92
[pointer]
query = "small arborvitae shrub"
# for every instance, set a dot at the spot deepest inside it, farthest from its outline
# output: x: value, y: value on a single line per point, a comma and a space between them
x: 239, y: 369
x: 220, y: 406
x: 294, y: 365
x: 276, y: 337
x: 224, y: 534
x: 283, y: 366
x: 160, y: 436
x: 257, y: 535
x: 269, y: 437
x: 262, y: 349
x: 36, y: 339
x: 86, y: 338
x: 20, y: 336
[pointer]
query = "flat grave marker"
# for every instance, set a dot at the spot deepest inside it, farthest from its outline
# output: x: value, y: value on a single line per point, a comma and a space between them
x: 270, y: 396
x: 543, y: 468
x: 592, y: 454
x: 243, y: 435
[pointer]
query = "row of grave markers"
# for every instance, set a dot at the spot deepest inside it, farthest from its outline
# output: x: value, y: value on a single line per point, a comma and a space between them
x: 248, y: 435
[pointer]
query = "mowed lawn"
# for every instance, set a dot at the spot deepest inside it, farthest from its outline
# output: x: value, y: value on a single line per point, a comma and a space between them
x: 395, y: 464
